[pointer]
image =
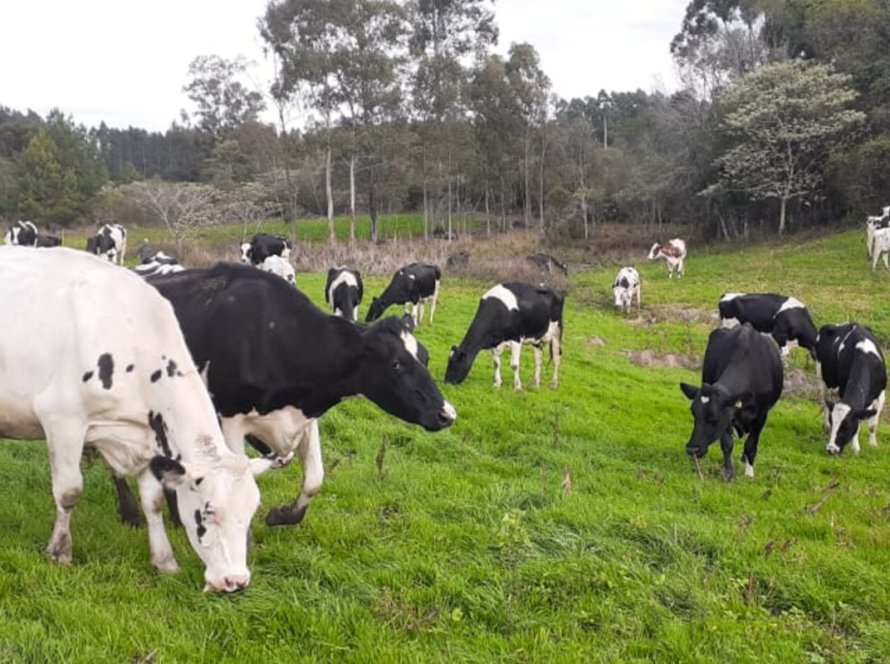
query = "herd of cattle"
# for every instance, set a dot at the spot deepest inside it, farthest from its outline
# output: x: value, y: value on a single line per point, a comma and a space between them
x: 169, y: 372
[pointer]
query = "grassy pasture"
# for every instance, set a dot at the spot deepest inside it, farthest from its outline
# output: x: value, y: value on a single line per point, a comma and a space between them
x: 467, y: 545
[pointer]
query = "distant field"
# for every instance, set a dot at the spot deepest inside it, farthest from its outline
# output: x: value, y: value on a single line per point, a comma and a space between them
x: 467, y: 547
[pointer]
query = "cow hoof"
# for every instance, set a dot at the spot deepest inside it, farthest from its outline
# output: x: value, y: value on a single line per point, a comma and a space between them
x: 286, y: 515
x: 60, y: 550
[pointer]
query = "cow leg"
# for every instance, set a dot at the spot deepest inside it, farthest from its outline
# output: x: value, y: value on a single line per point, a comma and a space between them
x: 65, y: 442
x: 854, y: 441
x: 539, y: 359
x: 878, y: 405
x: 515, y: 350
x: 639, y: 300
x: 419, y: 306
x: 126, y: 503
x: 309, y: 450
x: 152, y: 494
x: 751, y: 441
x: 414, y: 308
x: 886, y: 257
x: 434, y: 301
x: 496, y: 358
x: 556, y: 355
x: 726, y: 444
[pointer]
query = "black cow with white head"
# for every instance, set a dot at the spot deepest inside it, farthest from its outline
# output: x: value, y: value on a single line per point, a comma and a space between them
x: 850, y: 361
x: 263, y: 245
x: 782, y: 317
x: 343, y: 292
x: 411, y: 285
x: 22, y: 233
x: 510, y: 315
x: 741, y: 381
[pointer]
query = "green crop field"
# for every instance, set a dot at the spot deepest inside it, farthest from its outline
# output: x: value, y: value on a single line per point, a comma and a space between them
x: 544, y: 526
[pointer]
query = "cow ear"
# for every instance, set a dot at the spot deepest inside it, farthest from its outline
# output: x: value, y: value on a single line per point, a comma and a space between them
x: 168, y: 472
x: 864, y: 413
x: 743, y: 400
x: 691, y: 391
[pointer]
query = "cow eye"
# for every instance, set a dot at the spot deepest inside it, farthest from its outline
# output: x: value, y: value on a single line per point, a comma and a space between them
x: 396, y: 365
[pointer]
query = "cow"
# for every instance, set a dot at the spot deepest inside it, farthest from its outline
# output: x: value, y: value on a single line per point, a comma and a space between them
x: 263, y: 245
x: 850, y: 361
x: 412, y: 284
x: 44, y: 240
x: 343, y: 292
x: 157, y: 263
x: 874, y: 223
x: 22, y: 233
x: 510, y: 315
x: 114, y: 374
x: 674, y: 252
x: 280, y: 267
x: 782, y: 317
x: 741, y: 381
x: 880, y: 246
x: 547, y: 263
x: 282, y: 363
x: 625, y: 287
x: 110, y: 242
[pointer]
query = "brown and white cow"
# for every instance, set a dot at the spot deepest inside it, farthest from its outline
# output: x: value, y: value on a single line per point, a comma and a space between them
x: 674, y: 252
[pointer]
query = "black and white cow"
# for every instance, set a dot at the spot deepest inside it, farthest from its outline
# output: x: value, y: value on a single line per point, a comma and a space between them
x: 110, y: 242
x: 674, y: 253
x: 625, y: 287
x: 875, y: 223
x: 512, y: 314
x: 22, y: 233
x: 280, y: 267
x: 282, y: 363
x: 343, y: 292
x: 850, y: 361
x: 263, y: 245
x: 741, y: 381
x: 784, y: 318
x: 547, y: 263
x: 114, y: 373
x: 880, y: 247
x: 411, y: 285
x: 157, y: 263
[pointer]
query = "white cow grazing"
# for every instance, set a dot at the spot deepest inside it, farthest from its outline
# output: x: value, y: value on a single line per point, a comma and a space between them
x: 674, y: 252
x: 279, y: 266
x: 626, y: 287
x: 99, y: 360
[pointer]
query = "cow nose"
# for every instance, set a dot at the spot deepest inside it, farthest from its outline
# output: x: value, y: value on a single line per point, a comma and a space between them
x: 447, y: 415
x: 234, y: 584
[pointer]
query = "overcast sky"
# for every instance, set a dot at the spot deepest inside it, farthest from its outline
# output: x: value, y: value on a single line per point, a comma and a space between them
x: 126, y: 62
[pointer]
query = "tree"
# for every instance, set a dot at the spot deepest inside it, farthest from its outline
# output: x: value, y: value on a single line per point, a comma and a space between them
x: 183, y: 208
x: 786, y: 119
x: 223, y: 102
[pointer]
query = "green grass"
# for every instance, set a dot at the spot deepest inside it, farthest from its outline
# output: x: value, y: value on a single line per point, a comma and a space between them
x: 466, y: 547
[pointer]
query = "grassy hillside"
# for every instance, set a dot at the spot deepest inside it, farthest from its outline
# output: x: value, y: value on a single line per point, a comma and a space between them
x: 469, y: 544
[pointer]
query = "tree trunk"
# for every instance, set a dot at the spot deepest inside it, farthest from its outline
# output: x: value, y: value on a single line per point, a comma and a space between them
x: 541, y: 181
x: 351, y: 200
x: 372, y: 211
x: 783, y: 204
x: 584, y: 215
x: 527, y: 203
x: 487, y: 213
x: 449, y: 209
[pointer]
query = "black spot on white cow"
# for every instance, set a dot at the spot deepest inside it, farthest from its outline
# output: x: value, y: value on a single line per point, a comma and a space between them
x: 411, y: 285
x: 741, y: 381
x: 22, y: 233
x: 782, y: 317
x: 156, y: 263
x: 343, y: 292
x: 110, y: 243
x: 263, y: 245
x: 73, y: 394
x: 283, y: 362
x: 674, y: 253
x: 626, y: 287
x: 547, y: 263
x: 850, y: 361
x: 510, y: 315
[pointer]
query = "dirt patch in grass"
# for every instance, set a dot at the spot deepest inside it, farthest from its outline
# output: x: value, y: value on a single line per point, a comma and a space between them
x: 649, y: 358
x: 802, y: 384
x: 673, y: 313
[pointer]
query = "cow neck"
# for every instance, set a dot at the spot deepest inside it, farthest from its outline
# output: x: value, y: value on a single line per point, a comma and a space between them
x: 481, y: 333
x: 858, y: 389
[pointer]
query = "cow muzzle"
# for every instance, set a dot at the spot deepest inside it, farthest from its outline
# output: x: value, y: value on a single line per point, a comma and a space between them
x: 697, y: 451
x: 446, y: 416
x: 228, y: 584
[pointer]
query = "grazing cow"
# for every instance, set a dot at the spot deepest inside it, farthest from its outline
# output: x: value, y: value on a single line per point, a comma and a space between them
x: 547, y: 263
x: 159, y: 263
x: 741, y: 381
x: 880, y: 246
x: 22, y: 233
x: 110, y: 242
x: 674, y: 252
x: 511, y: 314
x: 114, y: 373
x: 784, y: 318
x: 343, y: 292
x: 625, y: 288
x: 851, y: 362
x: 412, y: 284
x: 263, y: 245
x: 280, y: 267
x: 282, y: 363
x: 48, y: 240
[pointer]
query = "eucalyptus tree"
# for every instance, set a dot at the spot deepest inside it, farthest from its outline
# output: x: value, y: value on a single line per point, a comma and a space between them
x: 224, y: 103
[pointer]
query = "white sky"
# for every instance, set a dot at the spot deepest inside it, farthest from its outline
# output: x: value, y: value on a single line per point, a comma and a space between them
x: 126, y: 62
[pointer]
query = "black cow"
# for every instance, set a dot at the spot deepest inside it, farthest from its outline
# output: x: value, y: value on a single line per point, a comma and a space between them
x: 109, y: 242
x: 343, y: 292
x: 22, y: 233
x: 784, y: 318
x: 274, y: 363
x: 412, y: 284
x: 851, y: 362
x: 48, y: 240
x: 263, y: 245
x: 509, y: 315
x: 547, y: 263
x: 741, y: 381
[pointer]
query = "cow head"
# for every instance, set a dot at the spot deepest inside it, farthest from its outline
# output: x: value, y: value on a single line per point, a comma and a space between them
x: 621, y: 292
x: 714, y: 410
x: 375, y: 311
x: 245, y: 253
x: 654, y: 251
x: 844, y: 422
x: 393, y: 377
x: 216, y: 503
x: 459, y: 364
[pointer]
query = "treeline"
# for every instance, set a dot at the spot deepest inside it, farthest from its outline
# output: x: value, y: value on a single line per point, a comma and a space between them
x: 782, y: 123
